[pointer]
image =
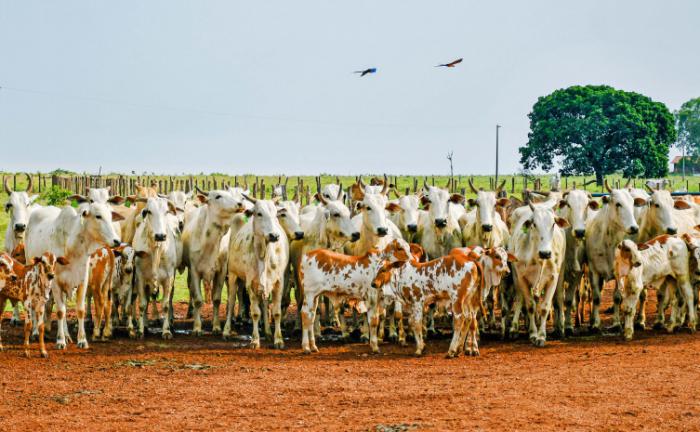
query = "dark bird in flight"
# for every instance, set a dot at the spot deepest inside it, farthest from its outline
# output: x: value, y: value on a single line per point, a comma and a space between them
x: 450, y: 64
x: 367, y: 71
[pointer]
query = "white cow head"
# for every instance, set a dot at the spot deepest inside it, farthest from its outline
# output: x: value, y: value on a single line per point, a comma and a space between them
x: 182, y: 200
x: 265, y: 223
x: 486, y: 202
x: 339, y: 227
x: 154, y: 217
x: 437, y: 200
x: 98, y: 195
x: 288, y: 216
x: 222, y: 205
x: 17, y: 206
x: 408, y: 210
x: 372, y: 206
x: 541, y: 225
x: 126, y: 255
x: 574, y: 207
x: 660, y: 212
x: 333, y: 192
x: 621, y: 208
x: 97, y: 219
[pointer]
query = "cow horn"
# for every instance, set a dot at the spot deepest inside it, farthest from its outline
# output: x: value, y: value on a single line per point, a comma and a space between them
x: 532, y: 206
x: 340, y: 191
x: 425, y: 184
x: 449, y: 183
x: 320, y: 197
x: 607, y: 186
x: 629, y: 180
x: 500, y: 187
x: 396, y: 192
x: 253, y: 200
x: 648, y: 188
x: 5, y: 181
x: 30, y: 183
x: 385, y: 188
x: 203, y: 192
x: 471, y: 186
x: 295, y: 198
x: 361, y: 183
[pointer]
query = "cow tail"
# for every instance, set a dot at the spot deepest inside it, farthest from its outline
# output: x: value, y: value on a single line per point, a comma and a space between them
x: 480, y: 274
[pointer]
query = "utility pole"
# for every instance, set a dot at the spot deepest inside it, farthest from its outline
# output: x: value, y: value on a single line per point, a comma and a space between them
x: 497, y: 128
x: 452, y: 173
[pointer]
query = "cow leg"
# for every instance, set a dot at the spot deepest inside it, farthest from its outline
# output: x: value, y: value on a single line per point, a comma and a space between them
x: 546, y: 307
x: 640, y: 322
x: 254, y: 314
x: 265, y: 310
x: 373, y: 321
x: 27, y: 332
x: 398, y: 316
x: 617, y: 300
x: 317, y: 318
x: 515, y: 319
x: 559, y: 315
x: 196, y: 297
x: 629, y: 306
x: 166, y: 283
x: 416, y: 320
x: 47, y: 313
x: 88, y: 300
x: 216, y: 302
x: 277, y: 292
x: 431, y: 319
x: 129, y: 311
x: 107, y: 332
x: 504, y: 295
x: 61, y: 327
x: 40, y: 324
x: 80, y: 312
x: 97, y: 316
x: 670, y: 294
x: 391, y: 315
x: 142, y: 298
x: 688, y: 295
x: 307, y: 312
x: 596, y: 282
x: 457, y: 329
x: 232, y: 289
x: 16, y: 314
x: 570, y: 303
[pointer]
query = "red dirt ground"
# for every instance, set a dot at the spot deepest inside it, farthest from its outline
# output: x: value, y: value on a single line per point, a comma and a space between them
x: 207, y: 384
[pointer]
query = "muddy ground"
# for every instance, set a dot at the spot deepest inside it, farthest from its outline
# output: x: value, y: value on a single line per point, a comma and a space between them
x: 586, y: 382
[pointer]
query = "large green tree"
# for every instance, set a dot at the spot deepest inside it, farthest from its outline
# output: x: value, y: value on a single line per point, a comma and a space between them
x: 688, y: 122
x: 601, y: 130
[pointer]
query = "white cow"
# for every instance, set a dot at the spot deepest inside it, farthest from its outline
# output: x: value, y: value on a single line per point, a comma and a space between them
x: 441, y: 230
x: 156, y: 244
x: 539, y: 244
x: 259, y: 254
x: 603, y: 233
x: 663, y: 259
x: 204, y: 229
x: 486, y: 228
x: 75, y: 235
x: 405, y: 213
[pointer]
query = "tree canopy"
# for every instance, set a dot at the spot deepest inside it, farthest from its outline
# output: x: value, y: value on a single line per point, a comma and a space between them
x: 688, y: 122
x: 601, y: 130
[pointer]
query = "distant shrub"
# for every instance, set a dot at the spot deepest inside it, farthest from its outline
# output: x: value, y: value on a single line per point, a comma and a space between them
x: 56, y: 195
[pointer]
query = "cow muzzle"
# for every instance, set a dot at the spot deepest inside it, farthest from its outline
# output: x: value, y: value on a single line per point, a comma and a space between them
x: 355, y: 236
x: 299, y: 235
x: 116, y: 242
x: 272, y: 237
x: 671, y: 231
x: 545, y: 254
x: 159, y: 237
x: 412, y: 228
x: 20, y: 227
x: 487, y: 227
x: 633, y: 229
x: 50, y: 276
x: 579, y: 233
x: 441, y: 223
x: 382, y: 231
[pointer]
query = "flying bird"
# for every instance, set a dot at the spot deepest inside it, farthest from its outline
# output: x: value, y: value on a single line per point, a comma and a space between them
x: 450, y: 64
x: 366, y: 71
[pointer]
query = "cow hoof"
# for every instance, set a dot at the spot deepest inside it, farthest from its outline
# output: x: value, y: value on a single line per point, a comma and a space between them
x: 475, y: 353
x: 306, y: 351
x: 670, y: 329
x: 27, y: 355
x: 403, y: 343
x: 44, y: 354
x: 451, y: 355
x: 216, y: 331
x: 658, y: 325
x: 364, y: 338
x: 197, y: 333
x: 255, y: 345
x: 640, y: 326
x: 568, y: 332
x: 557, y: 334
x: 314, y: 349
x: 393, y: 338
x: 418, y: 353
x: 167, y: 335
x: 539, y: 343
x: 279, y: 345
x: 83, y: 344
x: 60, y: 345
x: 140, y: 335
x: 132, y: 334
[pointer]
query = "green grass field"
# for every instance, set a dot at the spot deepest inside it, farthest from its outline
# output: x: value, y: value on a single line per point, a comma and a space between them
x: 402, y: 182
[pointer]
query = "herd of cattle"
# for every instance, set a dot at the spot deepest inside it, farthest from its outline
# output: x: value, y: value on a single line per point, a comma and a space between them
x: 361, y: 257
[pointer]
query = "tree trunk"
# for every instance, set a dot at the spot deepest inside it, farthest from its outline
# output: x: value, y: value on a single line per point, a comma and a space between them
x: 599, y: 178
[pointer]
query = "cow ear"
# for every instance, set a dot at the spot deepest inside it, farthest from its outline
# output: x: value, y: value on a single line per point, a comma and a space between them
x: 35, y: 261
x: 425, y: 201
x: 636, y: 264
x: 249, y: 212
x: 397, y: 264
x: 62, y: 260
x: 503, y: 202
x: 202, y: 199
x: 171, y: 208
x: 606, y: 199
x: 141, y: 254
x: 85, y: 213
x: 356, y: 192
x: 642, y: 246
x: 512, y: 258
x: 78, y: 198
x: 681, y: 205
x: 562, y: 223
x: 457, y: 198
x: 593, y: 205
x: 640, y: 202
x: 359, y: 206
x: 527, y: 223
x: 116, y: 200
x: 471, y: 202
x: 562, y: 204
x: 393, y: 207
x: 116, y: 217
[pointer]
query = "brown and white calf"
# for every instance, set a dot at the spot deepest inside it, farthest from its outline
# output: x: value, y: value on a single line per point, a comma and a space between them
x: 454, y: 280
x: 342, y: 278
x: 123, y: 286
x: 100, y: 280
x: 661, y: 259
x: 31, y: 285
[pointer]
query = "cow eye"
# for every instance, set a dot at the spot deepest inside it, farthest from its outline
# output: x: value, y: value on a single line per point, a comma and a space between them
x: 282, y: 215
x: 91, y: 201
x: 260, y: 214
x: 618, y: 205
x: 98, y: 216
x: 336, y: 215
x: 656, y: 205
x: 8, y: 206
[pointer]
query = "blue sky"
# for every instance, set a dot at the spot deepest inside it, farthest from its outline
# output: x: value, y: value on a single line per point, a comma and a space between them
x: 267, y: 87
